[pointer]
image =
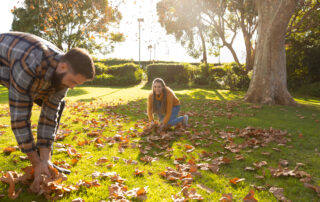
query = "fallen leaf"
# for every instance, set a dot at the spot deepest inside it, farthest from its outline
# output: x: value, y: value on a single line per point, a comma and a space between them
x: 205, y: 188
x: 226, y: 198
x: 278, y: 193
x: 249, y: 197
x: 77, y: 200
x: 8, y: 150
x: 236, y: 180
x: 138, y: 172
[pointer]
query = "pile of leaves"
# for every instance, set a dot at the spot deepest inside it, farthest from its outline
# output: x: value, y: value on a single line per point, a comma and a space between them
x: 51, y: 187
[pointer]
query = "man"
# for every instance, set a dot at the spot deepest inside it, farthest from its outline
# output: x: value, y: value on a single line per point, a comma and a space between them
x: 35, y: 71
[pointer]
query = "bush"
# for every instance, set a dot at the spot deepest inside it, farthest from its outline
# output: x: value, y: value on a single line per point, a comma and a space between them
x: 217, y: 71
x: 229, y: 76
x: 123, y: 69
x: 100, y: 68
x: 171, y: 73
x: 310, y: 89
x: 117, y: 75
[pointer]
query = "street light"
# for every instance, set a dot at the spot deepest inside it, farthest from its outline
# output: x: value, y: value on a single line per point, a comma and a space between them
x: 139, y: 20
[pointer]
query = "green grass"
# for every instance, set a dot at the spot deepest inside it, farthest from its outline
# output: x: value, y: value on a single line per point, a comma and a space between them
x: 125, y: 110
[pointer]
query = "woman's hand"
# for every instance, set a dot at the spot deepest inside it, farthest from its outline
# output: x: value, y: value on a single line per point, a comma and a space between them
x: 162, y: 127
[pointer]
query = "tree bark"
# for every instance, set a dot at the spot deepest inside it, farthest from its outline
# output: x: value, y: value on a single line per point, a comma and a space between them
x: 204, y: 52
x: 249, y: 51
x: 269, y: 80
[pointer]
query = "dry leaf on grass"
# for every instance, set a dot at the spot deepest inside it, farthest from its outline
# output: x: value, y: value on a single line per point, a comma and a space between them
x: 236, y: 180
x: 250, y: 197
x: 278, y: 193
x: 226, y: 198
x: 205, y: 188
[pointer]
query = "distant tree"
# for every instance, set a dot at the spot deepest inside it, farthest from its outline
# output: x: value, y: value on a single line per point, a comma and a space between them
x: 182, y: 19
x: 70, y: 23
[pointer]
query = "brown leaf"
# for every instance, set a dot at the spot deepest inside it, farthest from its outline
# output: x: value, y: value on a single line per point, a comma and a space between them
x: 77, y: 200
x: 74, y: 161
x: 236, y: 180
x: 278, y: 193
x: 249, y: 197
x: 11, y: 177
x: 260, y: 164
x: 94, y: 134
x: 239, y: 157
x: 138, y: 172
x: 8, y: 150
x: 226, y: 198
x: 249, y: 168
x: 205, y: 188
x: 314, y: 187
x: 101, y: 160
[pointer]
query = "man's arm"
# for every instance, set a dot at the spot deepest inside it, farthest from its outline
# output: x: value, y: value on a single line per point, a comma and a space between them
x: 48, y: 122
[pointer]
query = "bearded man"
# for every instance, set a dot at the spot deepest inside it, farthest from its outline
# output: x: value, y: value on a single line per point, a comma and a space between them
x: 36, y: 71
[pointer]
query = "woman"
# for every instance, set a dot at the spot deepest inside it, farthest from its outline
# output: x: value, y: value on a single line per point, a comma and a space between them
x: 164, y: 102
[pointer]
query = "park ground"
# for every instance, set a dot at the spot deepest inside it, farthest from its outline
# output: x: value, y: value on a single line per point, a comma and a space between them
x: 219, y: 126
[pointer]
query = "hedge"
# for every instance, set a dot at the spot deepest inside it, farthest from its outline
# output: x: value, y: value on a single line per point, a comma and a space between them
x: 117, y: 75
x: 171, y: 73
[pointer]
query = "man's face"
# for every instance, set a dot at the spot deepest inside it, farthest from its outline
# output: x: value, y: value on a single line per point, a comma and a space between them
x: 67, y: 80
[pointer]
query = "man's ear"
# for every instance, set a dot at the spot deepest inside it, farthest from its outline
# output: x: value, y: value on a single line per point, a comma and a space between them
x: 62, y: 67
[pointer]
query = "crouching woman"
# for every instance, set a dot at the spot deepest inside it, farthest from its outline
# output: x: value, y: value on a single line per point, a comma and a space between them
x: 165, y: 104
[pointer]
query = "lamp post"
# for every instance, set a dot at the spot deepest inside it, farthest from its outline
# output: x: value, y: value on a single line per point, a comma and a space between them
x: 139, y: 20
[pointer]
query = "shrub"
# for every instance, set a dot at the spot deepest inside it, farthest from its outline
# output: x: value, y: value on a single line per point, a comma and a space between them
x: 171, y: 73
x: 100, y: 68
x: 117, y: 75
x: 310, y: 89
x: 217, y: 71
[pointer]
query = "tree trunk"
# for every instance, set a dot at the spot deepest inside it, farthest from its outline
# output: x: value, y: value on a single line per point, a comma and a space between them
x: 269, y: 80
x: 204, y: 56
x: 249, y: 51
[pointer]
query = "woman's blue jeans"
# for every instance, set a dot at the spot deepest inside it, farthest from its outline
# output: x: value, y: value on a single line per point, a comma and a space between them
x: 173, y: 118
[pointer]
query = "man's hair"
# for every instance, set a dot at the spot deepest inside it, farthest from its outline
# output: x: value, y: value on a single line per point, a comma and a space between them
x: 80, y: 62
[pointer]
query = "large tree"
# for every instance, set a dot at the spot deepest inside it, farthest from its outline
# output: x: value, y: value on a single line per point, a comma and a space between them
x: 70, y: 23
x: 269, y: 80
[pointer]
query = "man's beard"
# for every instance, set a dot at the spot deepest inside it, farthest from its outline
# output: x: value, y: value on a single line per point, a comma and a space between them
x: 57, y: 81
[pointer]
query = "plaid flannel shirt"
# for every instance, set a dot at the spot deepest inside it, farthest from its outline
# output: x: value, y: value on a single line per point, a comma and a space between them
x: 27, y: 65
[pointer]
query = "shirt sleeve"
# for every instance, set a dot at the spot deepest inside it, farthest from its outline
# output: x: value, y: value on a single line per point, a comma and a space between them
x: 49, y: 116
x: 149, y: 109
x: 169, y: 108
x: 20, y: 103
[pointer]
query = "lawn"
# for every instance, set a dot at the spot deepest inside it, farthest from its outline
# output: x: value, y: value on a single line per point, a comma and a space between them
x: 218, y: 146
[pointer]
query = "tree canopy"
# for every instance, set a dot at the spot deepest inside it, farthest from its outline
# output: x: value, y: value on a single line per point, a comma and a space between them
x: 70, y: 23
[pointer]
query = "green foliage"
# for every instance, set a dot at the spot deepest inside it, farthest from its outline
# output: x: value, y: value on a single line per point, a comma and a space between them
x: 70, y: 23
x: 123, y: 69
x: 312, y: 89
x: 117, y: 75
x: 228, y: 76
x: 171, y: 73
x: 100, y: 68
x: 303, y: 48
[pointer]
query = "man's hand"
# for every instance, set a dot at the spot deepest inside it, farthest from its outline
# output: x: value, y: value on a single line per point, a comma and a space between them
x: 41, y: 167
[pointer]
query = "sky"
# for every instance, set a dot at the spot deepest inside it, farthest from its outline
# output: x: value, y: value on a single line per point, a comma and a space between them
x: 164, y: 47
